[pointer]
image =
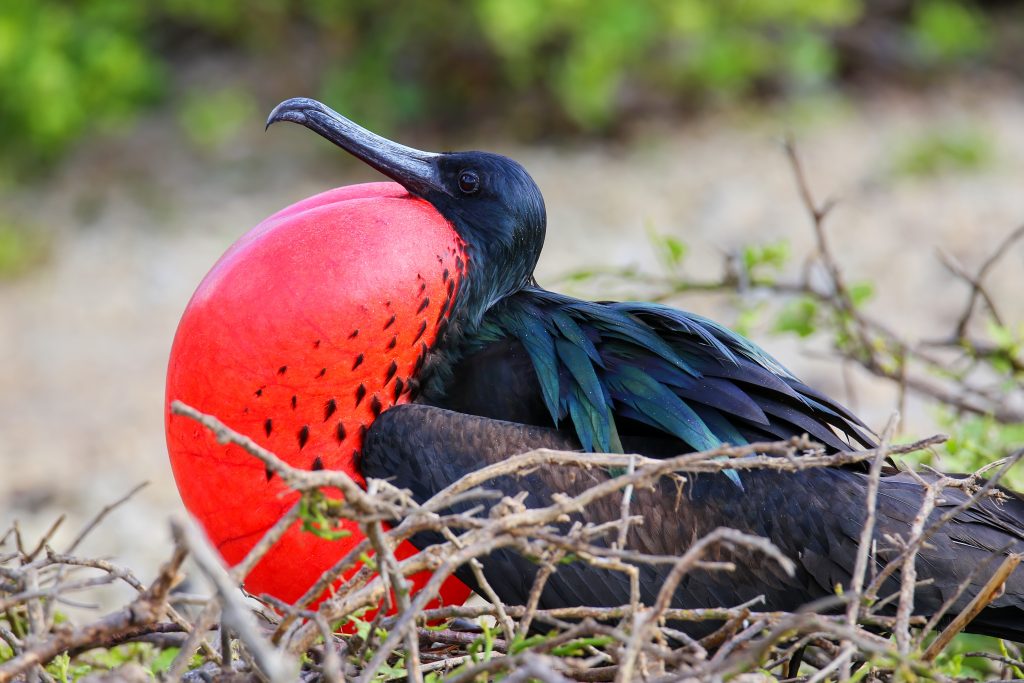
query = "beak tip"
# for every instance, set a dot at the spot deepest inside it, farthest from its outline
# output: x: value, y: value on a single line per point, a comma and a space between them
x: 293, y: 110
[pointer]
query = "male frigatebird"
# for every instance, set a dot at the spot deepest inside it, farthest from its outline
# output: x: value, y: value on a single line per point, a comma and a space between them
x: 503, y: 366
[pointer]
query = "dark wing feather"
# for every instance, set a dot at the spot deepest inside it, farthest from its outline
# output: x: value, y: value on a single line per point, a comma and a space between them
x: 613, y: 369
x: 815, y: 517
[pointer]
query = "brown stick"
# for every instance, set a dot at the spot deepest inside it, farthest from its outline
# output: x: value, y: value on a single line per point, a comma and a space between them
x: 276, y: 665
x: 992, y: 589
x: 148, y: 608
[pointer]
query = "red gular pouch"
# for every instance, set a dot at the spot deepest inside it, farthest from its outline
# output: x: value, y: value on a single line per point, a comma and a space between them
x: 305, y: 330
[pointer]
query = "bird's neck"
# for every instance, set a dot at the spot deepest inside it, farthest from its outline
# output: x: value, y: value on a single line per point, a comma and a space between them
x: 478, y: 293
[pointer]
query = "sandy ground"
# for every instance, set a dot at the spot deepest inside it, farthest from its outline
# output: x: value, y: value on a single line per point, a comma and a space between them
x: 138, y: 220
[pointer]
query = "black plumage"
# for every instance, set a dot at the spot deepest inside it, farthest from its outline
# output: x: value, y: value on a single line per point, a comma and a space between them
x: 814, y: 516
x: 605, y: 369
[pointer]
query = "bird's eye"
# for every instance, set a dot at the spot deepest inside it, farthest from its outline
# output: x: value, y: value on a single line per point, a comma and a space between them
x: 469, y: 182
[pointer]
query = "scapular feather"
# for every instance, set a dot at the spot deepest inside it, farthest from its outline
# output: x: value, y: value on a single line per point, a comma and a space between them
x: 647, y: 364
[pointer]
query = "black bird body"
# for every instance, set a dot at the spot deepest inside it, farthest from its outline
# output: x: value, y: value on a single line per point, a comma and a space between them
x: 814, y: 516
x: 521, y: 367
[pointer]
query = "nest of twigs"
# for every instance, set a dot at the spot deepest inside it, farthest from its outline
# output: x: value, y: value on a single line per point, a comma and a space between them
x: 227, y: 636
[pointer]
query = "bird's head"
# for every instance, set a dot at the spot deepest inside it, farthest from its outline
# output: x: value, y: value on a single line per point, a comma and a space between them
x: 491, y: 200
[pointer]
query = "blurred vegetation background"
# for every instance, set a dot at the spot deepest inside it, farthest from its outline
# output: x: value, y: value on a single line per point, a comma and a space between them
x: 535, y: 68
x: 525, y: 70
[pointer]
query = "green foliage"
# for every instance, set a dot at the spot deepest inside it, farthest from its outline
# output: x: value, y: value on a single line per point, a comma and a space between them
x: 60, y: 667
x: 20, y: 250
x: 1008, y: 345
x: 67, y: 69
x: 861, y: 293
x: 671, y: 250
x: 392, y: 672
x: 748, y: 317
x: 805, y: 315
x: 482, y: 649
x: 584, y: 53
x: 578, y: 647
x: 521, y: 644
x: 761, y: 262
x: 949, y: 30
x: 368, y: 561
x: 362, y: 626
x: 163, y: 659
x: 71, y: 70
x: 975, y: 441
x: 953, y: 662
x: 320, y: 516
x: 948, y: 150
x: 363, y: 629
x: 211, y: 119
x: 799, y: 316
x: 152, y: 659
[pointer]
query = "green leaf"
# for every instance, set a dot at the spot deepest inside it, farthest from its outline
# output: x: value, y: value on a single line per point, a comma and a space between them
x: 580, y: 275
x: 59, y: 666
x: 671, y: 251
x: 947, y: 30
x: 675, y: 250
x: 577, y: 648
x: 387, y: 672
x: 940, y: 151
x: 163, y: 660
x: 215, y: 118
x: 798, y: 317
x: 21, y: 249
x: 861, y: 293
x: 320, y: 516
x: 362, y: 626
x: 748, y: 317
x: 368, y: 560
x: 759, y: 258
x: 520, y: 644
x: 1000, y: 335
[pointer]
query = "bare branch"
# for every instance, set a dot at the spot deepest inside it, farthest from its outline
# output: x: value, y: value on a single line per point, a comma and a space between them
x: 991, y: 590
x: 275, y: 664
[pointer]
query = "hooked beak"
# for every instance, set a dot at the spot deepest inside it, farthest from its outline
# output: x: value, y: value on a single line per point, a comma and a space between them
x: 413, y: 169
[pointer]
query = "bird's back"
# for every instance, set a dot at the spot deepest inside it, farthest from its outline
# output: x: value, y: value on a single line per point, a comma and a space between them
x: 606, y: 370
